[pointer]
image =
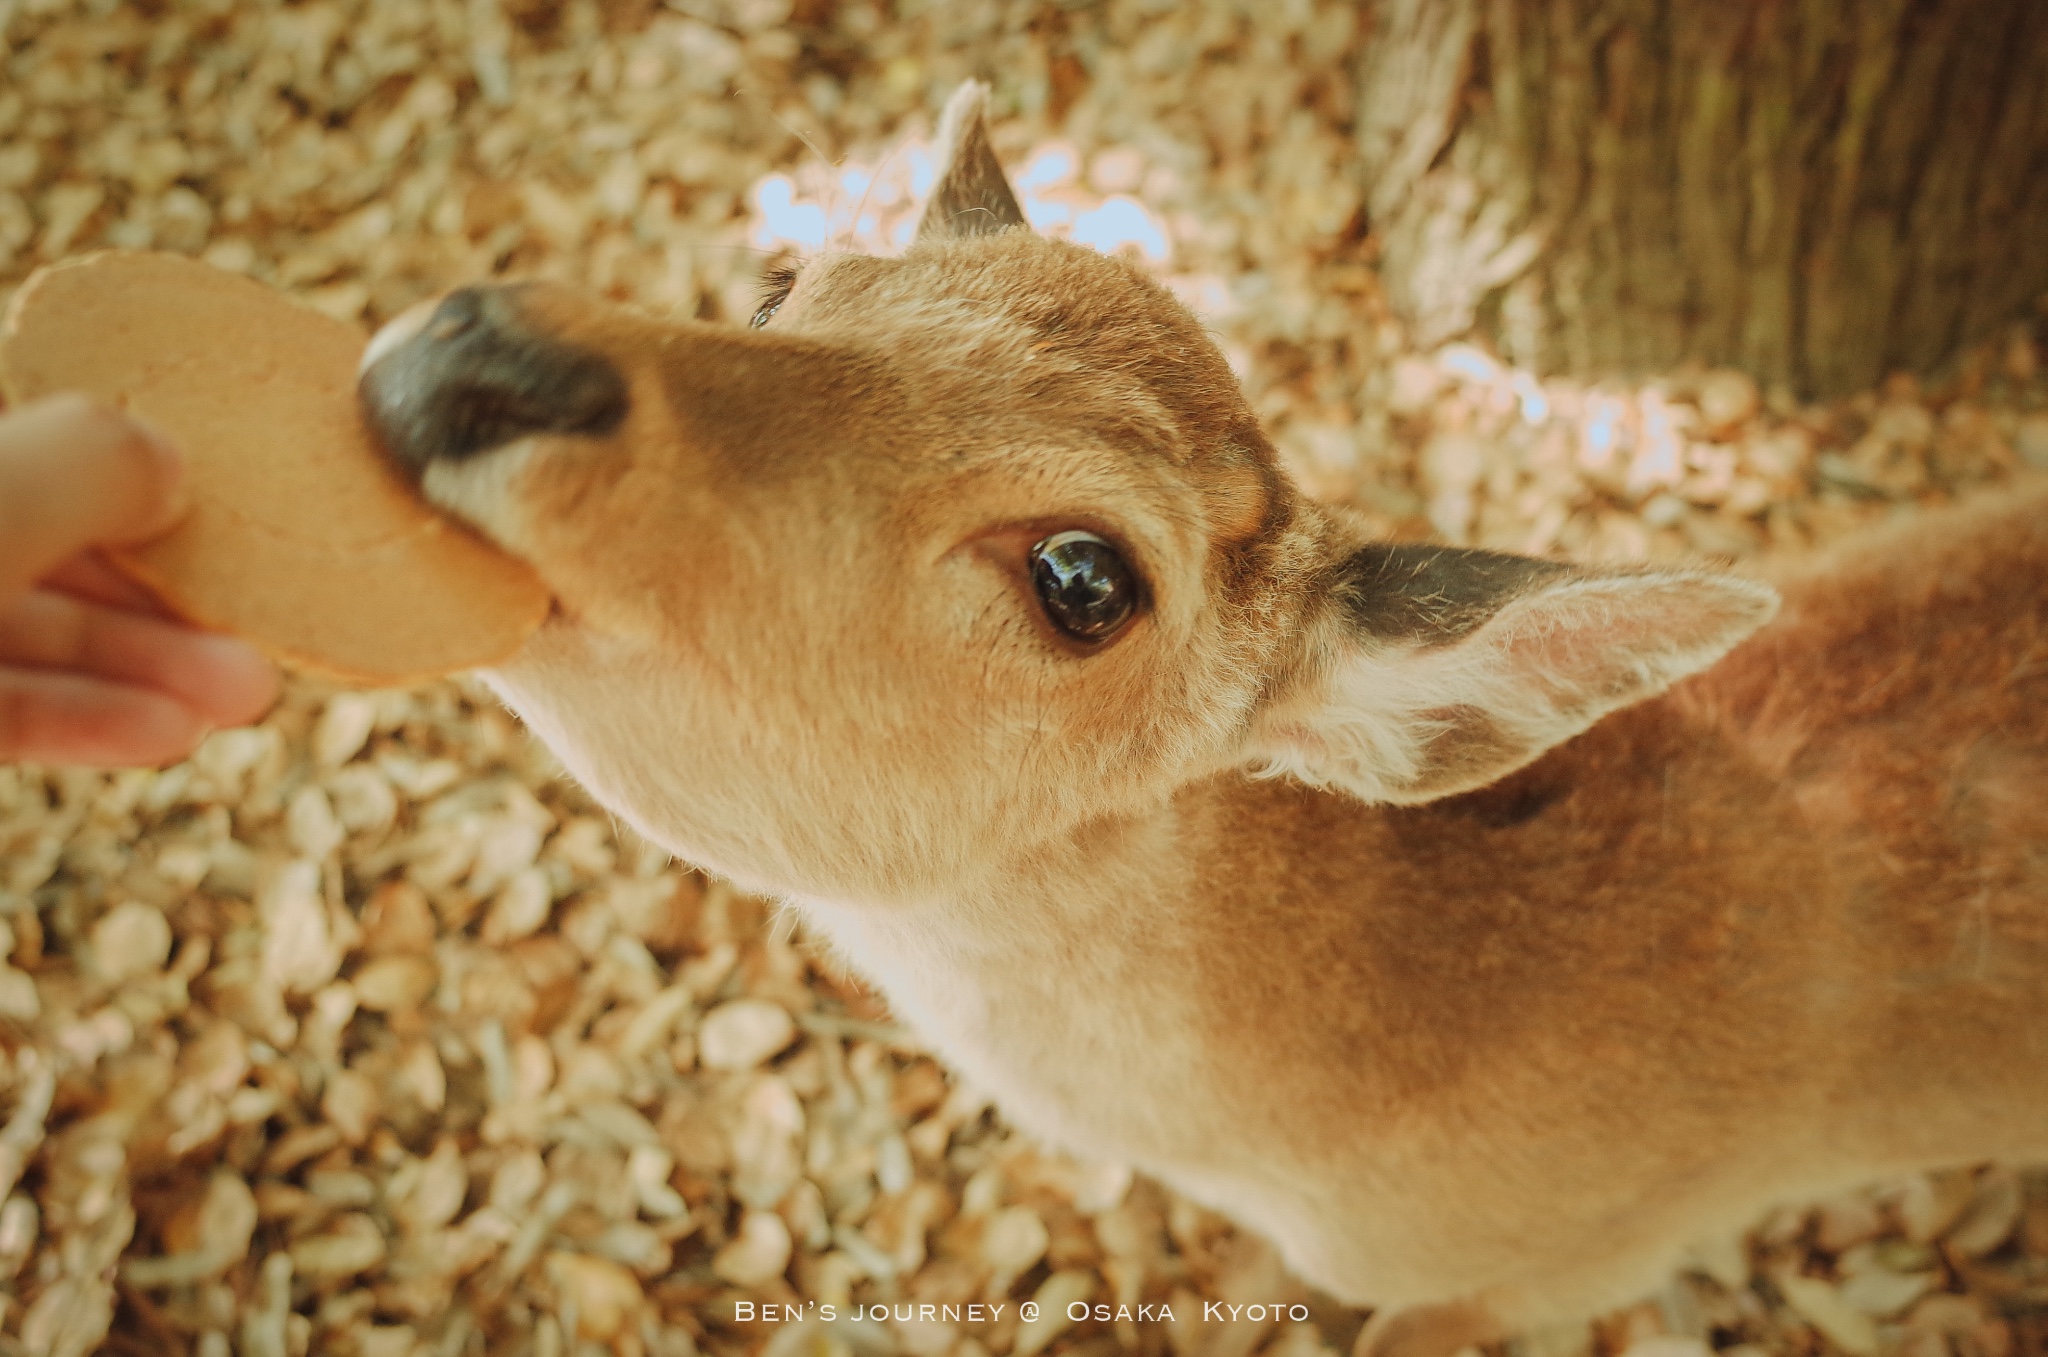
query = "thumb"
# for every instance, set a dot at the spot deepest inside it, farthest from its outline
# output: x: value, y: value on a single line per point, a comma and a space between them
x: 75, y: 474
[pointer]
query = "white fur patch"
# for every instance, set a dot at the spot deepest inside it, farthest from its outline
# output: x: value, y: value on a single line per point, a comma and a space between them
x: 396, y: 331
x: 483, y: 490
x: 967, y: 104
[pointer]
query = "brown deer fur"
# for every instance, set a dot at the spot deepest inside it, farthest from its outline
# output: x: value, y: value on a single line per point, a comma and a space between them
x: 1394, y: 902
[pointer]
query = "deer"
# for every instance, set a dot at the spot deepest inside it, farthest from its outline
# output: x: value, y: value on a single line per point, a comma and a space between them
x: 1480, y: 929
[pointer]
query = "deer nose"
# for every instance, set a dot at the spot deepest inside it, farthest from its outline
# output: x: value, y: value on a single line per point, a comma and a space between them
x: 456, y: 378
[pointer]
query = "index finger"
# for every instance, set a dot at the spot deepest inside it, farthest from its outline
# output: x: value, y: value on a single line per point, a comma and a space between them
x: 88, y: 576
x: 73, y: 474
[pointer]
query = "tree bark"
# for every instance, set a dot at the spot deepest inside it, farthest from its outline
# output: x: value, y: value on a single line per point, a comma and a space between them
x: 1818, y: 192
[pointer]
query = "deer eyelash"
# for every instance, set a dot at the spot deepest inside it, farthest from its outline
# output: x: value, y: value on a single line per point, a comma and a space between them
x: 775, y: 286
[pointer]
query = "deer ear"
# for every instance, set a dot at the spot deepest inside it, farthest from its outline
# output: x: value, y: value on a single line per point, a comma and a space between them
x: 971, y: 197
x: 1436, y: 670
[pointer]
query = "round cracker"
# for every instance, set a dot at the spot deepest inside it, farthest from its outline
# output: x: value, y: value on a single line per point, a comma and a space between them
x: 303, y: 537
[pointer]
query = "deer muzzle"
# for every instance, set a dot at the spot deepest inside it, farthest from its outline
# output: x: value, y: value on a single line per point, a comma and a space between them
x: 458, y: 377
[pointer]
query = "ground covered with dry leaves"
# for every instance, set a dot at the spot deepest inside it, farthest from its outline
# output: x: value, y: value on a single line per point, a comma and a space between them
x: 365, y: 1032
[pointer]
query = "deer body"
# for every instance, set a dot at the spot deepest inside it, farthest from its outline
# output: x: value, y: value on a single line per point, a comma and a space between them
x: 1780, y: 932
x: 1454, y: 919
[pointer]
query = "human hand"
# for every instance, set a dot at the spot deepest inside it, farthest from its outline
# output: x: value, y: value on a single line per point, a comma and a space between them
x: 92, y: 671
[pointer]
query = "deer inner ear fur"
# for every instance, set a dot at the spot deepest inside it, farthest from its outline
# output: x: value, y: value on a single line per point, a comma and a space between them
x: 1436, y: 670
x: 971, y: 197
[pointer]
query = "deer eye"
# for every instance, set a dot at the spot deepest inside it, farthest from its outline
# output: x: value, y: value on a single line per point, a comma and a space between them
x: 775, y: 289
x: 1087, y: 590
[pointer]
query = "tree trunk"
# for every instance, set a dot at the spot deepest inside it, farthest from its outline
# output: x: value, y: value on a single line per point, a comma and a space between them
x: 1816, y: 191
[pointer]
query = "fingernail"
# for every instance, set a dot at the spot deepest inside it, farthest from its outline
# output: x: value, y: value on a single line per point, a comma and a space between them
x: 170, y: 469
x: 243, y: 683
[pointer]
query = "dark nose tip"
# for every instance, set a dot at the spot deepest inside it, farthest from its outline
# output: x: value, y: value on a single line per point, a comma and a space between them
x: 476, y: 376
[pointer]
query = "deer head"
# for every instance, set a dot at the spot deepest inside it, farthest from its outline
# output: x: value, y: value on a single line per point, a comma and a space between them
x: 961, y: 557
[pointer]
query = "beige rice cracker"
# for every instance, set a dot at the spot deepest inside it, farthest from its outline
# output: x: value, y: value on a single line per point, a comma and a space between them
x: 302, y: 537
